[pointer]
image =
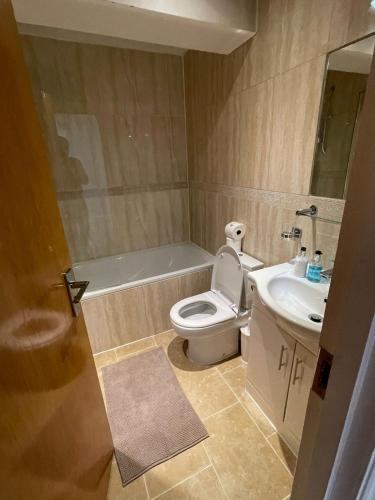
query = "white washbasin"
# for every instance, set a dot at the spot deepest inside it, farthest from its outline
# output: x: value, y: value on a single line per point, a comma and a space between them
x: 295, y: 300
x: 298, y: 298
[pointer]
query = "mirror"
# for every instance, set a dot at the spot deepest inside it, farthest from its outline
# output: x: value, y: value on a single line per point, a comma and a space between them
x: 340, y: 113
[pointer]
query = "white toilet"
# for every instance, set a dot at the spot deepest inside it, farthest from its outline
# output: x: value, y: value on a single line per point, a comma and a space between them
x: 211, y: 320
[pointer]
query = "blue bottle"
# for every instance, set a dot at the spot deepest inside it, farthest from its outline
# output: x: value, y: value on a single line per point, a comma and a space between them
x: 315, y: 268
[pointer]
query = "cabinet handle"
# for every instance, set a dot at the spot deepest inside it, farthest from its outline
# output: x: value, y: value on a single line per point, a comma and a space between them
x: 281, y: 362
x: 295, y: 376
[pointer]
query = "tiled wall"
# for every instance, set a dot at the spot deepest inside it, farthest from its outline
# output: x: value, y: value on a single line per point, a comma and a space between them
x: 128, y: 315
x: 252, y: 119
x: 114, y: 121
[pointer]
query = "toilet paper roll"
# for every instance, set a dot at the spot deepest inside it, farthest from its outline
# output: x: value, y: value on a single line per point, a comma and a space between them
x: 235, y: 230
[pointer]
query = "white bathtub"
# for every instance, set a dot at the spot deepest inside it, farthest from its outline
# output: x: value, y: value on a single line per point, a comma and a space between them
x: 117, y: 272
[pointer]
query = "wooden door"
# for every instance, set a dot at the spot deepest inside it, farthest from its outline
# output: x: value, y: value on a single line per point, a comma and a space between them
x: 269, y: 364
x: 54, y: 436
x: 347, y: 323
x: 303, y: 371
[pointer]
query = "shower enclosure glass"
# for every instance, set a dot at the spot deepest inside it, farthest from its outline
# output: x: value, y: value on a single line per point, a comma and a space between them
x: 114, y: 123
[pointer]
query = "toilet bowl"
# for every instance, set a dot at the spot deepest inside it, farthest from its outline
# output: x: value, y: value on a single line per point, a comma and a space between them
x: 210, y: 321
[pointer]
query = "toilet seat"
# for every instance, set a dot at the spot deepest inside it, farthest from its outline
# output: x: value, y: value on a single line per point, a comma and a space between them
x: 210, y: 321
x: 221, y: 303
x: 201, y: 311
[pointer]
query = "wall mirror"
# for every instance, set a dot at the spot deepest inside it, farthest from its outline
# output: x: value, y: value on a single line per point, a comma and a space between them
x: 340, y: 113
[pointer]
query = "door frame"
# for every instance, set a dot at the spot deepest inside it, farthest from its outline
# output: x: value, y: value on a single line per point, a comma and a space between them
x: 349, y: 314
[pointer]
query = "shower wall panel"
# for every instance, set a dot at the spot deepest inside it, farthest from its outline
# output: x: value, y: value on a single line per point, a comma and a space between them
x: 114, y: 122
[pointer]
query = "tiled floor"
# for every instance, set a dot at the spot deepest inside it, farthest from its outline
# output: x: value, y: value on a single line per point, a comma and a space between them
x: 242, y: 459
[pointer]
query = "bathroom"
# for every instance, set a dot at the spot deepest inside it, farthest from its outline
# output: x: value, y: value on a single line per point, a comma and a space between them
x: 169, y: 155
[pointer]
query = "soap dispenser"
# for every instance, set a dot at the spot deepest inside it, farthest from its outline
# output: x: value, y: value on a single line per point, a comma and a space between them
x: 315, y: 268
x: 300, y: 263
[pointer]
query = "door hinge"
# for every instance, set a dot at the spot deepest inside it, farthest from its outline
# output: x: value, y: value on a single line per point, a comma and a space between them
x: 322, y: 373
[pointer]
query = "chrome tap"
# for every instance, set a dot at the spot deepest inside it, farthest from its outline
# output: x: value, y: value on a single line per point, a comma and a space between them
x: 308, y: 212
x: 294, y: 234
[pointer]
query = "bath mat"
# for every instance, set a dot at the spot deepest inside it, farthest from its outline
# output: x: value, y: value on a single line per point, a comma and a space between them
x: 150, y: 417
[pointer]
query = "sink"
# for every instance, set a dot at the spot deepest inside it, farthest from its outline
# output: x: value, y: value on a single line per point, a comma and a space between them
x: 298, y: 298
x: 298, y: 304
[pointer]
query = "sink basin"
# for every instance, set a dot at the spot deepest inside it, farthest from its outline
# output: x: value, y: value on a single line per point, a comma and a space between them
x: 296, y: 303
x: 301, y: 300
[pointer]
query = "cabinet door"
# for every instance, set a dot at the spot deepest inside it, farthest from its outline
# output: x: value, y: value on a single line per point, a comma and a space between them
x: 269, y: 364
x: 303, y: 371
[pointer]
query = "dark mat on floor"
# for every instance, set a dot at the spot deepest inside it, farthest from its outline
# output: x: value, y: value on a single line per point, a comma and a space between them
x: 150, y: 417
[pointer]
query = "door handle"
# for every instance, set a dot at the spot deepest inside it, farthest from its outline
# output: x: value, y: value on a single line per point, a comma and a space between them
x: 295, y: 376
x: 281, y: 362
x: 72, y: 285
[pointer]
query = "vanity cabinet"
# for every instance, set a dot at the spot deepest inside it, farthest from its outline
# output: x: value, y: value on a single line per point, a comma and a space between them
x: 271, y: 353
x: 280, y: 373
x: 302, y: 377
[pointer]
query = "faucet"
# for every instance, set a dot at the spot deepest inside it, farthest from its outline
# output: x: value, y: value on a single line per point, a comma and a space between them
x: 309, y: 212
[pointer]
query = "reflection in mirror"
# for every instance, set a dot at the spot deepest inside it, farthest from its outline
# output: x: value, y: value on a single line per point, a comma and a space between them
x: 342, y: 100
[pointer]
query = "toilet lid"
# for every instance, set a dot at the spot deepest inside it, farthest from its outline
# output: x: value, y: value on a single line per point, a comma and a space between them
x: 227, y: 276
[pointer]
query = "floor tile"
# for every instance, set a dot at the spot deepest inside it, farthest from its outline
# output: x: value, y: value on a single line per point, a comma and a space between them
x: 168, y: 474
x: 236, y: 379
x: 224, y: 366
x: 105, y: 358
x: 165, y: 338
x: 137, y: 346
x: 134, y: 491
x: 245, y: 462
x: 203, y: 385
x: 257, y: 415
x: 202, y: 486
x: 101, y: 383
x: 283, y: 452
x: 207, y: 392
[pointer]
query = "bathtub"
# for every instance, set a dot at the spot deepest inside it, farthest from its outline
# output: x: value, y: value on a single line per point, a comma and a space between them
x: 118, y: 272
x: 130, y: 295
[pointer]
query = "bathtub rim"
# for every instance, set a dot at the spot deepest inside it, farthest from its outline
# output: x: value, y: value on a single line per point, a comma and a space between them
x: 159, y: 277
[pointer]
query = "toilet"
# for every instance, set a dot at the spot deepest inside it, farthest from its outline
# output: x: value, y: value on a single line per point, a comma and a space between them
x: 210, y: 321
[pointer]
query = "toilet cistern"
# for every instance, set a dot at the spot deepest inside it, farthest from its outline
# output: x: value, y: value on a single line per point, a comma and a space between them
x: 234, y: 232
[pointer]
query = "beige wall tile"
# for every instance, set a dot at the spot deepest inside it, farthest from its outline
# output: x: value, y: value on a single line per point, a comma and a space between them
x: 234, y: 140
x: 256, y: 106
x: 305, y: 32
x: 123, y: 118
x: 266, y: 214
x: 264, y: 55
x: 351, y: 19
x: 194, y: 283
x: 94, y: 312
x: 245, y: 470
x: 168, y: 474
x: 160, y: 297
x: 116, y: 318
x: 203, y: 486
x: 295, y: 115
x: 113, y: 224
